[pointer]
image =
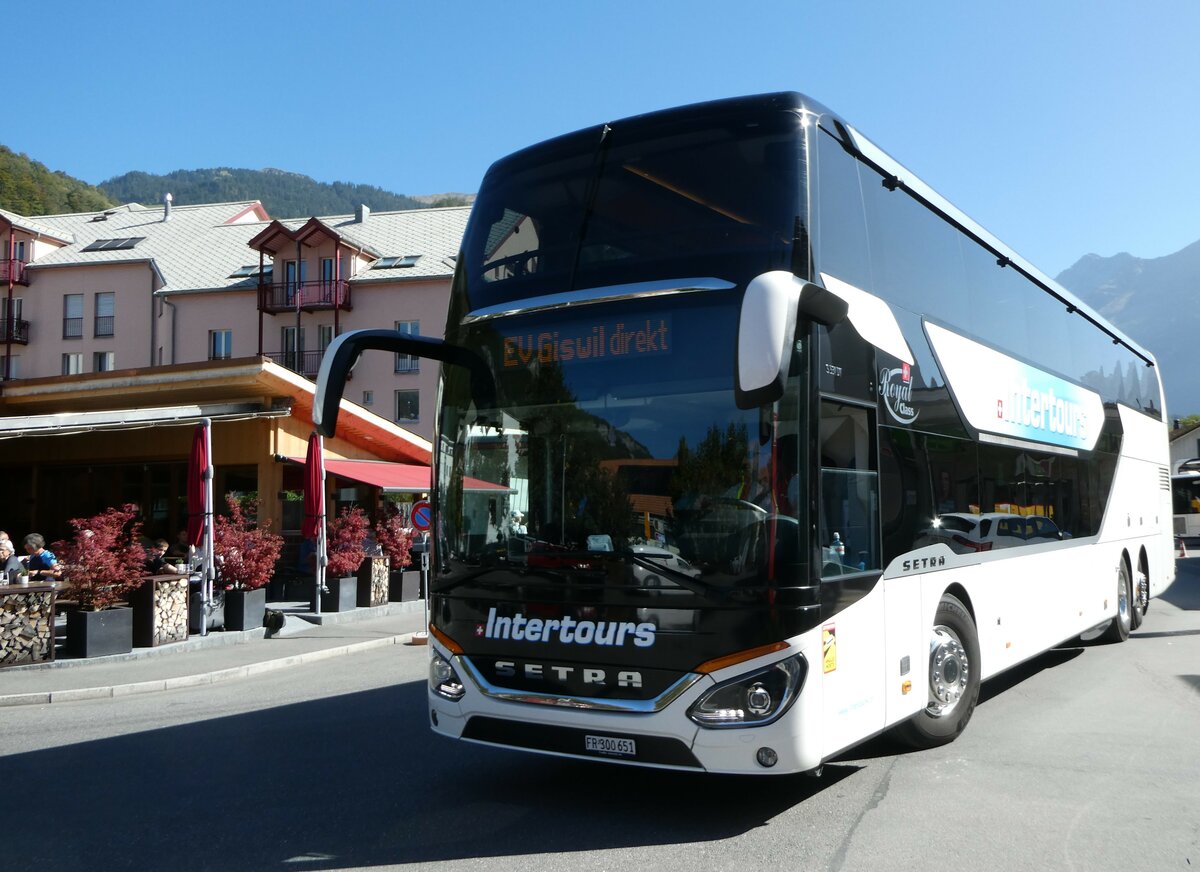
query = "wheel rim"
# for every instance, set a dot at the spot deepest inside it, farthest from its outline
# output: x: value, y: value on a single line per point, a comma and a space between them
x: 949, y: 671
x: 1123, y: 596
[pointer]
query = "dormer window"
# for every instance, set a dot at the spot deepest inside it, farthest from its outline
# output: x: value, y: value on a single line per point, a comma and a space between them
x: 396, y: 262
x: 114, y: 244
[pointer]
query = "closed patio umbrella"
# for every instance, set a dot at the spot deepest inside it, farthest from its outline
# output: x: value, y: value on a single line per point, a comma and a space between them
x: 313, y: 526
x: 200, y: 509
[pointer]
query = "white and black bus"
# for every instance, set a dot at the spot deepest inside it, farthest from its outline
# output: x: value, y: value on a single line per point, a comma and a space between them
x: 792, y: 451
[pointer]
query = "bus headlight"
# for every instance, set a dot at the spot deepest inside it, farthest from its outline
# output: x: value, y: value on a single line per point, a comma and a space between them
x: 751, y: 700
x: 443, y: 680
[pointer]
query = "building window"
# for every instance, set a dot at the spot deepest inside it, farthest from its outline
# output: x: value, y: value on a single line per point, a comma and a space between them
x: 104, y: 361
x: 10, y: 367
x: 73, y: 316
x: 324, y: 335
x: 106, y: 307
x: 220, y: 344
x: 368, y: 398
x: 408, y: 406
x: 405, y: 262
x: 408, y: 362
x: 113, y: 244
x: 72, y: 363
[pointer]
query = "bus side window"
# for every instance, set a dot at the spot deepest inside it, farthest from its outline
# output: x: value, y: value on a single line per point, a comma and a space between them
x: 849, y: 522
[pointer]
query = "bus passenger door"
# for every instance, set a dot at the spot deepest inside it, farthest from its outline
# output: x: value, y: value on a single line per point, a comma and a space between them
x: 851, y: 596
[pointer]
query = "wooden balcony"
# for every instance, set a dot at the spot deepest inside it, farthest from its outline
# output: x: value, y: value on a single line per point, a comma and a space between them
x: 13, y: 271
x: 14, y: 330
x: 318, y: 296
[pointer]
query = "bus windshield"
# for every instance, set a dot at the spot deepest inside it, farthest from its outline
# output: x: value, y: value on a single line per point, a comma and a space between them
x: 708, y: 193
x: 617, y: 452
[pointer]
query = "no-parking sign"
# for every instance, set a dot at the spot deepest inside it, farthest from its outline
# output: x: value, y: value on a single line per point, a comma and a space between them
x: 422, y: 515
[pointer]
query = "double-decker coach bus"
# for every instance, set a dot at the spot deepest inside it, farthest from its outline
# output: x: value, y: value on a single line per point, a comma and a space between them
x: 792, y: 451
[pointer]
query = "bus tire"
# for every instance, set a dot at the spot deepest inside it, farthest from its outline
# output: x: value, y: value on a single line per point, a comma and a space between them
x: 1118, y: 630
x: 1141, y: 589
x: 952, y: 679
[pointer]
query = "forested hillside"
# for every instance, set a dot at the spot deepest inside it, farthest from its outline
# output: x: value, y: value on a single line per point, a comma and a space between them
x: 29, y: 188
x: 284, y: 194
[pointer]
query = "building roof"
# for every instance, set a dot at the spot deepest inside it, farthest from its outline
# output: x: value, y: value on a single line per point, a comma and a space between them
x: 433, y: 234
x: 30, y: 226
x: 225, y: 381
x: 201, y: 247
x: 198, y: 247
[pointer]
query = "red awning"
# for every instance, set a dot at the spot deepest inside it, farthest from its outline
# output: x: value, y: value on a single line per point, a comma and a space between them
x: 397, y: 478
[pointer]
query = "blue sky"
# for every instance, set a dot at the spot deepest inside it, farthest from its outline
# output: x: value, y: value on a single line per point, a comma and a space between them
x: 1064, y: 127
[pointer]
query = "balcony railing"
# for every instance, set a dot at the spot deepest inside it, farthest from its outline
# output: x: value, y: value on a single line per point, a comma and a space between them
x: 14, y: 330
x: 72, y: 328
x: 103, y: 325
x: 308, y: 364
x: 14, y: 271
x: 306, y: 296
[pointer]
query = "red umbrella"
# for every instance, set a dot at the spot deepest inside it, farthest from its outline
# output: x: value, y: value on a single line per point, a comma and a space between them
x: 314, y: 489
x: 197, y: 466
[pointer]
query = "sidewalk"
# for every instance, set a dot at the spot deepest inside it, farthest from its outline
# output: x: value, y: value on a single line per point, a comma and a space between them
x: 219, y: 656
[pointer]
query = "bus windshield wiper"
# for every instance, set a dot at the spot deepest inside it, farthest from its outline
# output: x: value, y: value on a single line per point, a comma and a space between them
x: 589, y: 199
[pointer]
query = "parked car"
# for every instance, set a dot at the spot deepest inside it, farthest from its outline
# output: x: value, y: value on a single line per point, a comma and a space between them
x: 965, y: 533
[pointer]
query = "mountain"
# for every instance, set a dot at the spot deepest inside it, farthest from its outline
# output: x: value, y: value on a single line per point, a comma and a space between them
x: 284, y: 194
x: 29, y: 188
x: 1154, y: 302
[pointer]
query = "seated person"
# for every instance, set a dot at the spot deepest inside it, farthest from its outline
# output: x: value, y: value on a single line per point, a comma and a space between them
x: 181, y: 550
x: 156, y: 560
x: 9, y: 562
x: 41, y: 562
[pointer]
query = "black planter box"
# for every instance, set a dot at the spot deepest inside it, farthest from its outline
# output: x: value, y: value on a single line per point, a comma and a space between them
x: 342, y: 596
x: 95, y: 634
x: 244, y: 609
x: 404, y: 586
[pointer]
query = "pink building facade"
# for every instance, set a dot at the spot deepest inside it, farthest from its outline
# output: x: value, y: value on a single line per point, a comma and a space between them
x: 141, y: 287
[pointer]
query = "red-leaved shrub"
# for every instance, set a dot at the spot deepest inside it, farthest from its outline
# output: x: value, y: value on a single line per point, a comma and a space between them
x: 344, y: 547
x: 394, y: 538
x: 245, y: 552
x: 104, y: 560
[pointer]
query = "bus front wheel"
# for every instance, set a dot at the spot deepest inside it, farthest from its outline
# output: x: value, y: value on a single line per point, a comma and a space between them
x: 952, y: 676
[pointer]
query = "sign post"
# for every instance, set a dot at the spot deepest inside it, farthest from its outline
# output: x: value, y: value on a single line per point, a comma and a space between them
x: 422, y: 520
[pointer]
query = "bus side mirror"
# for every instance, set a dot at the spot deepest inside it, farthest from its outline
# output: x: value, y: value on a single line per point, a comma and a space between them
x: 767, y: 332
x: 343, y: 352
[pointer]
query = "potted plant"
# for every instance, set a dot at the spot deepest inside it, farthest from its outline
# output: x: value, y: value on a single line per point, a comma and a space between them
x: 396, y: 541
x: 246, y: 554
x: 102, y: 562
x: 344, y: 554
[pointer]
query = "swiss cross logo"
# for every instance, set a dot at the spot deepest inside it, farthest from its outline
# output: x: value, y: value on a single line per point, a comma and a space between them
x: 905, y: 373
x: 479, y: 629
x: 999, y: 408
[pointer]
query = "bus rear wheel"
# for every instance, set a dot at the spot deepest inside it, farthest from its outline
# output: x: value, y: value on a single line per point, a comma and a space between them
x: 1118, y: 630
x: 953, y: 679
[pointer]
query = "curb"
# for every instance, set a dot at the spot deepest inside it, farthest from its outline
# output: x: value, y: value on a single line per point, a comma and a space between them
x: 201, y: 678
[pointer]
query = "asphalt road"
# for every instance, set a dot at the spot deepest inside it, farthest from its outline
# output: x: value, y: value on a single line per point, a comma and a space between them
x: 1083, y: 759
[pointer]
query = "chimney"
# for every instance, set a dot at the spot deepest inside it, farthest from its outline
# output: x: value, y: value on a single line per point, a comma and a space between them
x: 167, y: 206
x: 362, y: 214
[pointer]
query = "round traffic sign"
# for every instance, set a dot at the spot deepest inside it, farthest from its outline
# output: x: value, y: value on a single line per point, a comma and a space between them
x: 422, y: 515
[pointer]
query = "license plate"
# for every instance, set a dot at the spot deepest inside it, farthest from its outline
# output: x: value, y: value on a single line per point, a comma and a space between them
x: 610, y: 746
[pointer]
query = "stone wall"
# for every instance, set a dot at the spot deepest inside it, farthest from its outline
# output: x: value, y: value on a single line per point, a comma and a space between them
x: 26, y: 626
